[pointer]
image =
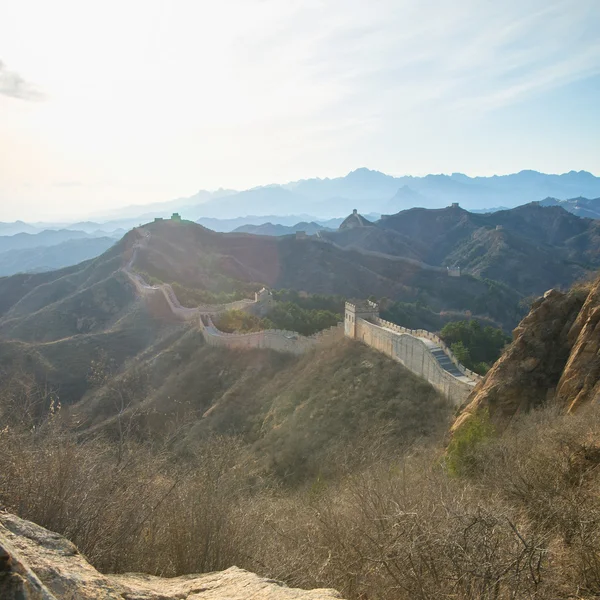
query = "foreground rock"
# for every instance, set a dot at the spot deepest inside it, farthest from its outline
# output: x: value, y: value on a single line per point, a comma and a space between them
x: 555, y: 354
x: 36, y: 564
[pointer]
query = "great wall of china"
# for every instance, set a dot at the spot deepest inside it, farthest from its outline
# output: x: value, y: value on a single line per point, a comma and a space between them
x: 420, y: 351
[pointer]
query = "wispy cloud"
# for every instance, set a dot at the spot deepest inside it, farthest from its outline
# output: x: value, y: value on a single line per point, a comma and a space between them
x: 13, y: 85
x: 387, y: 56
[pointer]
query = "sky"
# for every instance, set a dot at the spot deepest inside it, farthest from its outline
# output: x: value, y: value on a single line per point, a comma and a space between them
x: 120, y: 102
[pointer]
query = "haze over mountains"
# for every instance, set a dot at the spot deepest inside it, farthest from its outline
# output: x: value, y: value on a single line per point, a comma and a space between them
x: 373, y: 191
x: 309, y: 205
x: 367, y: 190
x: 51, y: 249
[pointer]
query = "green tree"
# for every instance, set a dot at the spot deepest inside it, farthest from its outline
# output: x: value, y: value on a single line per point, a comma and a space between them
x: 476, y: 347
x: 462, y: 353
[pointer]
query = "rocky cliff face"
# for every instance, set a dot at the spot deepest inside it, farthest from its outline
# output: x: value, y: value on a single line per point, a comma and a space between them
x: 555, y: 353
x: 36, y: 564
x: 580, y: 381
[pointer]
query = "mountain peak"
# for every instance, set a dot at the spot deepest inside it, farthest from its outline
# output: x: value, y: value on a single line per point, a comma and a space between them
x: 365, y: 173
x: 355, y: 220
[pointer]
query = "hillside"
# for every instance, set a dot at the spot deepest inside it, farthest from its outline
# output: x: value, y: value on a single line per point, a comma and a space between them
x: 530, y: 248
x: 292, y: 410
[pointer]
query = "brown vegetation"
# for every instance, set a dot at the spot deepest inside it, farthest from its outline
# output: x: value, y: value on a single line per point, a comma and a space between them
x: 522, y: 521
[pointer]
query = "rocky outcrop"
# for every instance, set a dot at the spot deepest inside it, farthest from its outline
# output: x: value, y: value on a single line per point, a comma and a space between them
x: 555, y: 353
x: 580, y: 381
x: 36, y: 564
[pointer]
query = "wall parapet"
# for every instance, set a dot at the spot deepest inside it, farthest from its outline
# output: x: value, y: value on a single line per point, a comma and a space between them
x: 280, y: 340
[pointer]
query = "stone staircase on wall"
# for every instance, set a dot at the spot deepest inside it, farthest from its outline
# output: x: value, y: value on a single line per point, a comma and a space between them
x: 422, y: 352
x: 438, y: 348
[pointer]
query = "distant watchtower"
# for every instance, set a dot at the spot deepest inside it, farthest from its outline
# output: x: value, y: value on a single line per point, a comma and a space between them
x: 358, y: 309
x: 176, y: 217
x: 453, y: 271
x: 455, y: 205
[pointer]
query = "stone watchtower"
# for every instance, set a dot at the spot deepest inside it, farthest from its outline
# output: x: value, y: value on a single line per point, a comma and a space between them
x: 358, y: 309
x: 264, y: 302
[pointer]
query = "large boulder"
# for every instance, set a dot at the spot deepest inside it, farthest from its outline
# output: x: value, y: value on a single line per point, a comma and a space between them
x: 36, y: 564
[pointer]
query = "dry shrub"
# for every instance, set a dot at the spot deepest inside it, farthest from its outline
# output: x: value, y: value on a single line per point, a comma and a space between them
x: 407, y: 531
x: 144, y: 512
x: 523, y: 522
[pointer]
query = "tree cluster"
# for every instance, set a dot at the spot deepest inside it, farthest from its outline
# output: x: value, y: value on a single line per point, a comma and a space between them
x: 476, y: 347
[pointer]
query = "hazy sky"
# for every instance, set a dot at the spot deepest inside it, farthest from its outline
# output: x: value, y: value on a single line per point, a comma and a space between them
x: 121, y: 102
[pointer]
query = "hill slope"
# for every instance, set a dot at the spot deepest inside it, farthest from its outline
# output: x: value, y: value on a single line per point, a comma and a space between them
x: 196, y: 257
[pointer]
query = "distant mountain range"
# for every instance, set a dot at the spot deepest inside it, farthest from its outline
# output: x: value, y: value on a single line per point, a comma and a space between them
x: 366, y: 190
x: 48, y: 237
x: 373, y: 191
x: 48, y: 258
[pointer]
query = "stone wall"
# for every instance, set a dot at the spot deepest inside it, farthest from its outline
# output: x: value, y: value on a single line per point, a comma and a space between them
x: 411, y: 352
x: 436, y: 339
x: 275, y: 339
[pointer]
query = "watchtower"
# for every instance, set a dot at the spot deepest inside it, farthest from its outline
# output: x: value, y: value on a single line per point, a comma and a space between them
x: 358, y: 309
x: 453, y: 271
x: 175, y: 217
x: 264, y: 301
